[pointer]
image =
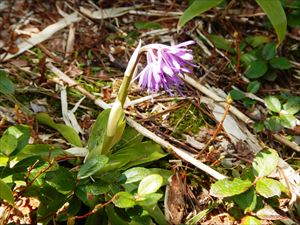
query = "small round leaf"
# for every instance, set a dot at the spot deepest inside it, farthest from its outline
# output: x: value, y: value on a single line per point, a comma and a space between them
x: 273, y: 103
x: 281, y: 63
x: 265, y: 162
x: 269, y: 51
x: 256, y: 69
x: 124, y: 200
x: 268, y: 187
x: 236, y: 94
x: 253, y: 87
x: 227, y: 188
x: 150, y: 184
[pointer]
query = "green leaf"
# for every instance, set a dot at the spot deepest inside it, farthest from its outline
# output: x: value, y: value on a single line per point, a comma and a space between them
x: 292, y: 106
x: 99, y: 142
x: 265, y: 162
x: 276, y: 15
x: 85, y: 194
x: 226, y: 188
x: 62, y: 180
x: 256, y: 69
x: 150, y: 184
x: 8, y: 144
x: 256, y: 41
x: 236, y: 94
x: 196, y: 219
x: 135, y: 174
x: 6, y: 193
x: 124, y: 200
x: 43, y: 150
x: 67, y: 132
x: 273, y: 123
x: 6, y: 85
x: 113, y: 216
x: 247, y: 200
x: 149, y: 199
x: 220, y: 42
x: 288, y: 120
x: 143, y: 25
x: 281, y: 63
x: 268, y: 187
x: 253, y: 87
x: 22, y: 134
x: 196, y: 9
x: 250, y: 220
x: 92, y: 166
x: 273, y: 103
x: 133, y: 155
x: 129, y: 137
x: 269, y: 51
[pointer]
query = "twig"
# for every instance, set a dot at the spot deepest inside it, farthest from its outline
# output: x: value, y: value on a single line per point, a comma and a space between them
x: 219, y: 127
x: 61, y: 77
x: 234, y: 110
x: 216, y: 98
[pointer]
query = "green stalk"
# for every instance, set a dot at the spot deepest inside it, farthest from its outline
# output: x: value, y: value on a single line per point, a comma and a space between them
x: 156, y: 213
x: 129, y: 74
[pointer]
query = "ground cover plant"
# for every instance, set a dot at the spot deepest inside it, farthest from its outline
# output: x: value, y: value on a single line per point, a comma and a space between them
x: 138, y: 112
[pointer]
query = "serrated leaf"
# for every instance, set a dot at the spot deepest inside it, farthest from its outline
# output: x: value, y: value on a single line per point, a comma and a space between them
x: 67, y: 132
x: 250, y: 220
x: 8, y: 144
x: 281, y: 63
x: 269, y: 51
x: 288, y: 120
x: 273, y: 103
x: 265, y: 162
x: 253, y: 87
x: 247, y: 200
x: 236, y: 94
x: 196, y: 9
x: 226, y: 188
x: 256, y: 69
x: 6, y: 85
x: 62, y: 180
x: 268, y: 213
x: 148, y: 200
x: 268, y: 187
x: 6, y: 193
x: 92, y: 166
x: 124, y: 200
x: 276, y: 15
x: 135, y: 174
x: 150, y: 184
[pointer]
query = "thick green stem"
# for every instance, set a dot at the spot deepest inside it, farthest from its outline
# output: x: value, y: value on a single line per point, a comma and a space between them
x: 124, y: 89
x: 156, y: 213
x: 131, y: 68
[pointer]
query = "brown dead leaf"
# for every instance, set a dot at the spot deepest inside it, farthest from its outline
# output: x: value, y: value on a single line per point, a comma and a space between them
x: 174, y: 201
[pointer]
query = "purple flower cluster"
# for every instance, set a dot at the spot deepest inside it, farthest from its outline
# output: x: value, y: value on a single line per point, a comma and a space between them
x: 164, y: 63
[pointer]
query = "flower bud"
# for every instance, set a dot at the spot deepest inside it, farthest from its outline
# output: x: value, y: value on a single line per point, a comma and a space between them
x: 114, y: 117
x: 133, y: 60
